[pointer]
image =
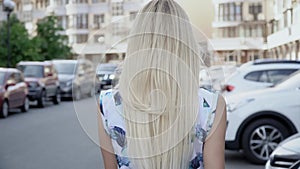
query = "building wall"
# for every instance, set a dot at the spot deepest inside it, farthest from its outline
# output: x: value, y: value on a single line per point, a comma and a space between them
x: 240, y: 30
x: 92, y: 26
x: 283, y: 40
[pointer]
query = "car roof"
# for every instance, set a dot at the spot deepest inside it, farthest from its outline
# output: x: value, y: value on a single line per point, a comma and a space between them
x: 8, y: 69
x: 38, y: 63
x: 274, y: 61
x: 65, y: 61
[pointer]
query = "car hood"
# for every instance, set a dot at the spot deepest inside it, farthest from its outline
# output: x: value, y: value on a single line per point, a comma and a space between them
x: 31, y: 79
x: 292, y: 144
x: 236, y: 97
x: 65, y: 77
x: 104, y: 72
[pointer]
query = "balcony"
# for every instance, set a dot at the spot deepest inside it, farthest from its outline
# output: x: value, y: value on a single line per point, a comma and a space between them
x: 284, y: 36
x: 221, y: 24
x: 228, y: 1
x: 238, y: 43
x: 72, y: 9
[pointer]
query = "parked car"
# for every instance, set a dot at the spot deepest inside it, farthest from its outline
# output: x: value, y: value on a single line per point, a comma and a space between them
x: 13, y: 91
x: 76, y: 78
x: 214, y: 76
x: 259, y: 120
x: 259, y: 74
x: 105, y: 73
x: 286, y: 155
x: 42, y: 81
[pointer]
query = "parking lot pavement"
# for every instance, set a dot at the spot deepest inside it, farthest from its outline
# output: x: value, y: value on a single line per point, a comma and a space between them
x: 53, y: 138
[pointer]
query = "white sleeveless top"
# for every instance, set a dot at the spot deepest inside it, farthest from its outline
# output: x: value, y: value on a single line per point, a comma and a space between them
x: 114, y: 125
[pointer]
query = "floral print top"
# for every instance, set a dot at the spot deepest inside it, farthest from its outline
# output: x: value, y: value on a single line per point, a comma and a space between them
x: 114, y: 125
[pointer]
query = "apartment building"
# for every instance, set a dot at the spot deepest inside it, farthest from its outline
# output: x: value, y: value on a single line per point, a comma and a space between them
x: 284, y: 28
x: 96, y: 28
x: 240, y: 30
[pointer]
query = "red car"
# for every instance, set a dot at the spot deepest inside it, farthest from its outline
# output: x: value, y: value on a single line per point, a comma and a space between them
x: 13, y: 91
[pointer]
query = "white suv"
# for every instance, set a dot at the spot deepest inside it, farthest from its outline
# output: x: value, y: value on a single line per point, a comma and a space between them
x: 259, y: 74
x: 260, y: 119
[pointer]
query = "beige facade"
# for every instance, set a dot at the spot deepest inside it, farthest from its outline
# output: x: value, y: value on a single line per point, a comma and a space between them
x: 284, y: 28
x: 95, y: 28
x: 246, y: 30
x: 240, y: 30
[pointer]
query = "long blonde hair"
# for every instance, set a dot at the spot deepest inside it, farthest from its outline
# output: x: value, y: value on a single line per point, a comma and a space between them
x: 159, y: 87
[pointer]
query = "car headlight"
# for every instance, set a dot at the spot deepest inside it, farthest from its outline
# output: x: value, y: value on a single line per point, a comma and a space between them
x: 69, y: 83
x: 234, y: 106
x: 112, y: 76
x: 33, y: 84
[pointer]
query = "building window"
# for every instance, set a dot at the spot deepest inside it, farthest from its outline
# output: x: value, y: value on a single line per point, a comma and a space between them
x: 98, y: 20
x: 98, y: 1
x: 232, y: 11
x: 81, y: 21
x: 117, y: 8
x: 81, y: 38
x: 61, y: 2
x: 62, y: 21
x: 132, y: 15
x: 255, y: 9
x: 238, y: 12
x: 80, y: 1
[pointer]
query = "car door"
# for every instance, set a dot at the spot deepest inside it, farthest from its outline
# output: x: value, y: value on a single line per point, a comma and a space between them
x: 20, y: 88
x: 49, y: 81
x: 12, y: 91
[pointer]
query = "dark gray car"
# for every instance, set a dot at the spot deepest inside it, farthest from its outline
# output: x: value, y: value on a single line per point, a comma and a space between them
x: 76, y: 77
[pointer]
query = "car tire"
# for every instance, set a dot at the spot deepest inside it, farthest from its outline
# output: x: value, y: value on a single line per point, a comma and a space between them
x: 77, y: 94
x: 261, y: 137
x: 57, y: 98
x: 4, y: 110
x: 42, y: 99
x: 25, y: 106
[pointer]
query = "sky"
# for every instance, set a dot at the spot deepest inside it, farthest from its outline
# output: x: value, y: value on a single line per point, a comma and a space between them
x: 201, y: 14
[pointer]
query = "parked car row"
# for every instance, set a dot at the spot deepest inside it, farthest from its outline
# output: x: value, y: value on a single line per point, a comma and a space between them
x: 263, y: 108
x: 45, y: 81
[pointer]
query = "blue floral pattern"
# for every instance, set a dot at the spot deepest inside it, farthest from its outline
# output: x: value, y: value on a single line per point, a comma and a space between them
x: 111, y: 104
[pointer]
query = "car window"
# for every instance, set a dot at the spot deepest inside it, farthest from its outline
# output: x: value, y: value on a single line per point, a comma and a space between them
x: 65, y: 68
x: 2, y: 78
x: 32, y: 70
x: 18, y: 77
x: 11, y: 79
x: 264, y: 78
x: 253, y: 76
x: 277, y: 75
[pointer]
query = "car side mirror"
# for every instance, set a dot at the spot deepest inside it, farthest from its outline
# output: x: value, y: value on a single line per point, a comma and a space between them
x: 9, y: 84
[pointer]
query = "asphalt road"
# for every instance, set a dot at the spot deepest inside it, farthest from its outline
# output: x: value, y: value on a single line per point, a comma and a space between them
x: 54, y: 138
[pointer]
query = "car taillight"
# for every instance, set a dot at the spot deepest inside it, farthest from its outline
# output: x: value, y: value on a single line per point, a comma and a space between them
x: 229, y: 88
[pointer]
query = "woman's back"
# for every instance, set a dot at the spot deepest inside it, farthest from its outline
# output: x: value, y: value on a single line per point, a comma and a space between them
x: 162, y: 115
x: 114, y: 124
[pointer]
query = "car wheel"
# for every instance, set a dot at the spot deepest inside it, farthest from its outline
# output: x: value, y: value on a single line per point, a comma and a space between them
x: 25, y: 106
x: 57, y: 97
x: 77, y: 95
x: 42, y: 99
x: 261, y: 138
x: 5, y: 110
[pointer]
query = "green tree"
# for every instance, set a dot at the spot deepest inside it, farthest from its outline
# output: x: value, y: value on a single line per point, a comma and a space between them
x: 51, y: 43
x: 22, y: 47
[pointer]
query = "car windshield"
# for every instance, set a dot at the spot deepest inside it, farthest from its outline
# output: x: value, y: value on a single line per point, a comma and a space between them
x: 32, y: 70
x: 65, y: 68
x: 106, y: 68
x: 291, y: 81
x: 2, y: 76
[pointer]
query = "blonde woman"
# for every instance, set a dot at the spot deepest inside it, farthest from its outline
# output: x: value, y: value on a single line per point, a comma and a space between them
x: 157, y: 117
